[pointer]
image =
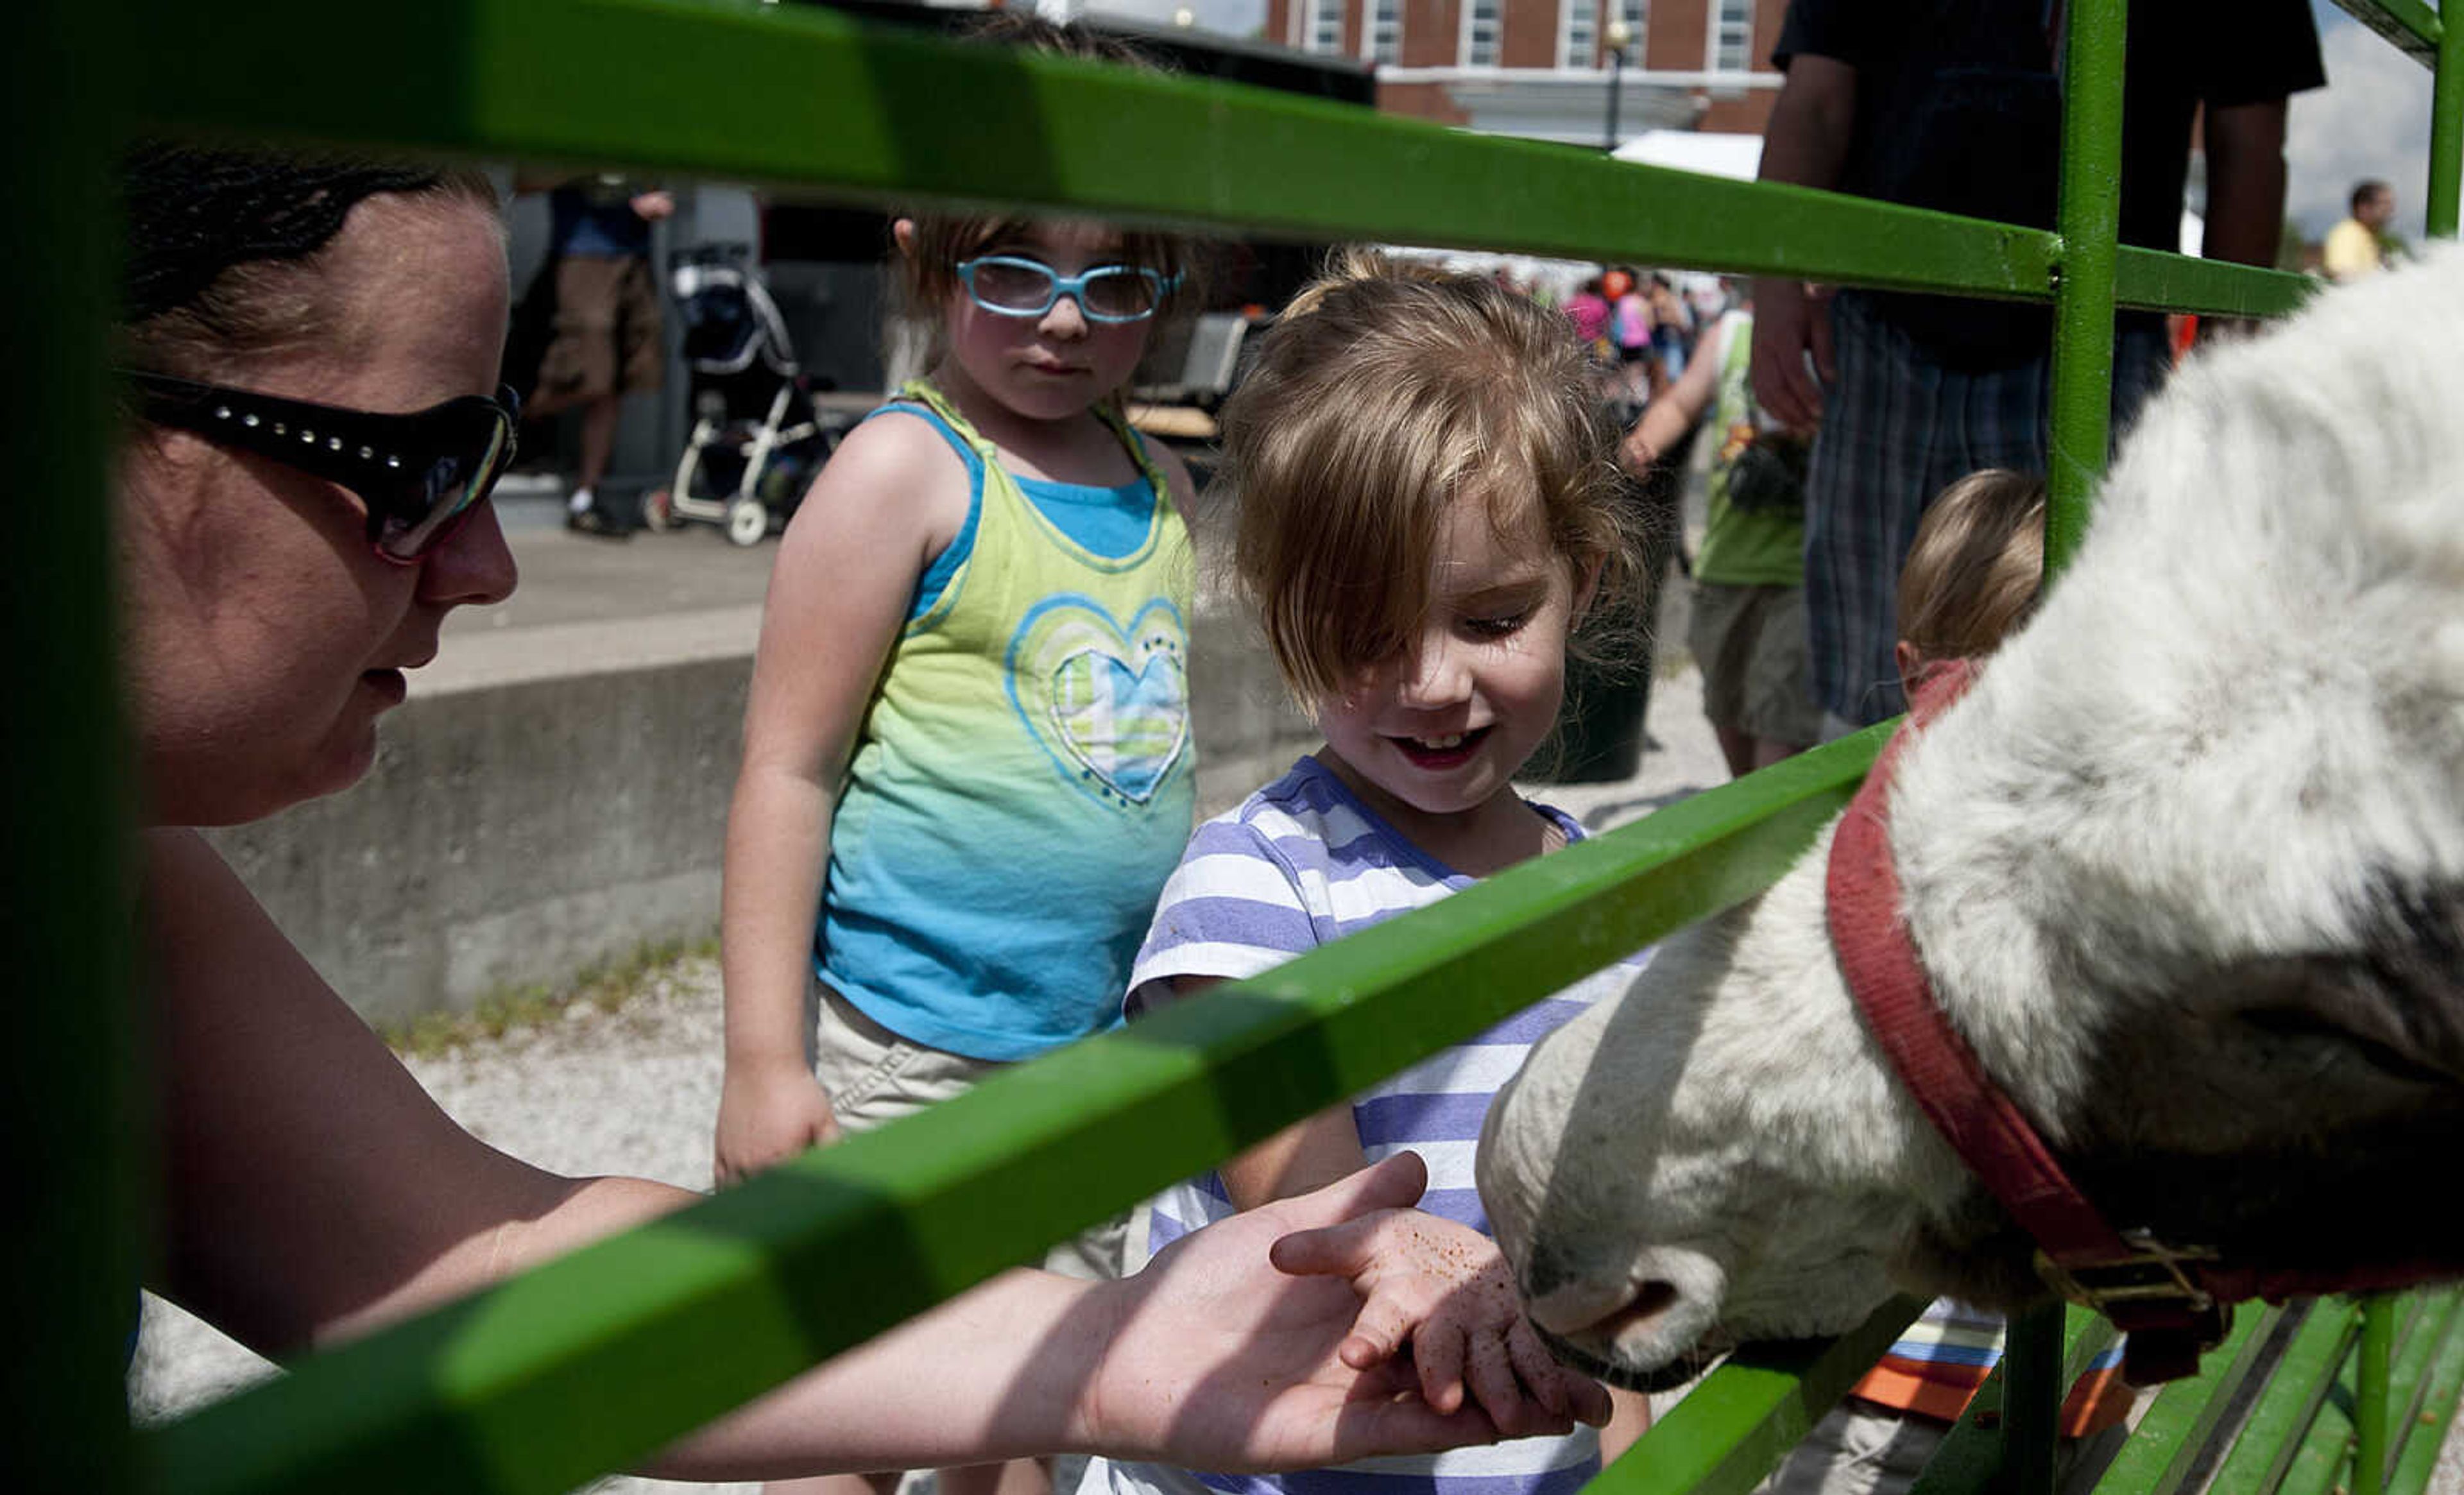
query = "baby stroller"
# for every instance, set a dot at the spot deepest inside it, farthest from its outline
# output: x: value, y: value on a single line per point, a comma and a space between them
x: 759, y: 436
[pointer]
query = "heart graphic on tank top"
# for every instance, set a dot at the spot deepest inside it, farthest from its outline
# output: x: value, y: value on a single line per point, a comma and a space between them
x: 1110, y: 704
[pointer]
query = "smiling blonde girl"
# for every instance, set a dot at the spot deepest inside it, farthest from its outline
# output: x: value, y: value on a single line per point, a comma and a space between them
x: 1425, y: 509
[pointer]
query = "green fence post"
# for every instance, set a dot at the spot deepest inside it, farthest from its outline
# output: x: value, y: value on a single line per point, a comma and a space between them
x: 68, y: 1089
x: 2446, y: 126
x: 2088, y: 220
x: 2032, y: 1401
x: 2371, y: 1410
x: 2089, y: 224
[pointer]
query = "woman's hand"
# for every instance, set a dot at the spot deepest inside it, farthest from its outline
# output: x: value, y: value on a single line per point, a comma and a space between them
x: 1444, y: 1289
x: 1218, y: 1361
x: 766, y: 1116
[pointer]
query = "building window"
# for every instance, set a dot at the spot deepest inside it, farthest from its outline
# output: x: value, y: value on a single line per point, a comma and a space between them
x: 1385, y: 30
x: 1326, y: 26
x: 1481, y: 29
x: 1580, y: 28
x: 1732, y: 37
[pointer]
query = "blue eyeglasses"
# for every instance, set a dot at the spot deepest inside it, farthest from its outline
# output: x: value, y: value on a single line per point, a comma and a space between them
x: 1012, y: 285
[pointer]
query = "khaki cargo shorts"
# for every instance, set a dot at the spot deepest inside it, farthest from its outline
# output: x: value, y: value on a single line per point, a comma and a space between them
x: 875, y: 1077
x: 606, y: 338
x: 1750, y: 642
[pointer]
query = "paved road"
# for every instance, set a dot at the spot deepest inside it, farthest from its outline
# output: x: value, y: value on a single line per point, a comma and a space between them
x: 573, y: 578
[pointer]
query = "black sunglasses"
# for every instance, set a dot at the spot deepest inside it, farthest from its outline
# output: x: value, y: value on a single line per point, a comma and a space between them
x: 418, y: 475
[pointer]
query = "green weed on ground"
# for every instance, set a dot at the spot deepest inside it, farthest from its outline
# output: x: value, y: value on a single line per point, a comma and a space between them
x: 606, y: 987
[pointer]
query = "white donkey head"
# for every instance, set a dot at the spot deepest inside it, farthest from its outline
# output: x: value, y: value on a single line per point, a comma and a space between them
x: 2185, y: 869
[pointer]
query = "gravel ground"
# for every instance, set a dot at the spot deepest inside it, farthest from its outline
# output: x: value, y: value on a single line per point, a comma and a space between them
x: 637, y: 1088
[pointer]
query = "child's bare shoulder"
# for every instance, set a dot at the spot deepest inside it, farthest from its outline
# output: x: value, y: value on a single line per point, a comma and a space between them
x: 1175, y: 472
x: 898, y: 469
x: 899, y: 443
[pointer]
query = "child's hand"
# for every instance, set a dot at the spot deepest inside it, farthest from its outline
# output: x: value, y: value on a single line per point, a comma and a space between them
x: 1447, y: 1290
x: 768, y: 1117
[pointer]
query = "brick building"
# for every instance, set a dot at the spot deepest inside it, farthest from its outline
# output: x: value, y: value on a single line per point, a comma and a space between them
x: 1543, y: 68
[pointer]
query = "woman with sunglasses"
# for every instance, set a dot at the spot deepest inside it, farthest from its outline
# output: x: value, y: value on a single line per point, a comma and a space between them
x: 301, y: 500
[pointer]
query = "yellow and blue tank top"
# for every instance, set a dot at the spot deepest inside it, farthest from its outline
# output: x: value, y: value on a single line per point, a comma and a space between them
x: 1024, y: 779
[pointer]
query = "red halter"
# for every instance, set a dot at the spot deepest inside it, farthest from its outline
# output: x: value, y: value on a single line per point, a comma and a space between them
x: 2168, y: 1299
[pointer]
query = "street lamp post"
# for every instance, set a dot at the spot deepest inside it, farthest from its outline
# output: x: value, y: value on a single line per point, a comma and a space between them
x: 1619, y: 37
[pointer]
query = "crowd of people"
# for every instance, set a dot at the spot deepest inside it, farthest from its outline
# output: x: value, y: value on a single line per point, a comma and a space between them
x: 962, y: 826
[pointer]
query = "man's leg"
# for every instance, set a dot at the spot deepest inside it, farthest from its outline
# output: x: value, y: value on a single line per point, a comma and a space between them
x: 598, y: 445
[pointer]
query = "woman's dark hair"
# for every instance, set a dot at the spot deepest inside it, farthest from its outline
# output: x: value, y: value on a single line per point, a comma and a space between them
x: 219, y: 241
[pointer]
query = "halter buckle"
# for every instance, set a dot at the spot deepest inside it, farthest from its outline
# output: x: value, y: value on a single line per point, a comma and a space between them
x: 2153, y: 1275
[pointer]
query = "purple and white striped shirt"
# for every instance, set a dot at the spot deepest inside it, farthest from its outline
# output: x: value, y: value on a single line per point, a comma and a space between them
x: 1300, y: 863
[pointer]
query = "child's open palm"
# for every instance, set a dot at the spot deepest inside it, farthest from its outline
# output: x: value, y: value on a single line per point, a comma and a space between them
x: 1444, y: 1289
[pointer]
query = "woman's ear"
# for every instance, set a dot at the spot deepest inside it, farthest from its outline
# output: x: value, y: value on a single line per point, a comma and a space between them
x: 1904, y: 655
x: 902, y: 232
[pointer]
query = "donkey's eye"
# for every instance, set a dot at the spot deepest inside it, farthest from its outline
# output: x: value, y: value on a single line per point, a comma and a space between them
x: 2302, y: 1024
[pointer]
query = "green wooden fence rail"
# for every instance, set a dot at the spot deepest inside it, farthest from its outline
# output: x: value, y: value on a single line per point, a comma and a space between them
x: 599, y: 1358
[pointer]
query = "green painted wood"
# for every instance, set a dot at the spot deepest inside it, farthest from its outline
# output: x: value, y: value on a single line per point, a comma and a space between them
x: 2323, y: 1461
x: 2335, y: 1453
x: 2152, y: 280
x: 67, y: 1081
x: 2165, y: 1447
x: 2445, y: 135
x: 2434, y: 1318
x: 2412, y: 27
x: 2441, y: 1384
x: 1977, y: 1450
x: 802, y: 97
x: 2374, y: 1363
x: 2033, y: 1390
x: 1206, y: 156
x: 1735, y: 1428
x: 2089, y: 220
x: 574, y: 1369
x: 2299, y: 1383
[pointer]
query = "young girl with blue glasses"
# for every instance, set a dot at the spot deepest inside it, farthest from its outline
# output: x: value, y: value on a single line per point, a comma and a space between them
x: 967, y: 760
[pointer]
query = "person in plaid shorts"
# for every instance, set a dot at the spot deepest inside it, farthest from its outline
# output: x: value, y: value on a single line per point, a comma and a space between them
x: 1955, y: 106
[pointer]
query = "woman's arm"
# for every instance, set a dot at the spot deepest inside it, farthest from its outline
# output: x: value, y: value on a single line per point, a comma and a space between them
x: 312, y: 1188
x: 1806, y: 143
x: 889, y: 501
x: 314, y: 1192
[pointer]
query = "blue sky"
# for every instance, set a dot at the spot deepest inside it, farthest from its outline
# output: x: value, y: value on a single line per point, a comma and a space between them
x: 2372, y: 119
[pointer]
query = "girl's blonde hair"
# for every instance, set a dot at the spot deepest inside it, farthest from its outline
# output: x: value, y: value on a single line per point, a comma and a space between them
x: 1972, y: 573
x: 926, y: 274
x: 1386, y: 391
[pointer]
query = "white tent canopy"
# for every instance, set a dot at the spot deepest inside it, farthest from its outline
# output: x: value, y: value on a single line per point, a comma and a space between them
x: 1739, y: 157
x: 1736, y: 156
